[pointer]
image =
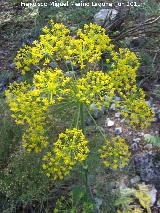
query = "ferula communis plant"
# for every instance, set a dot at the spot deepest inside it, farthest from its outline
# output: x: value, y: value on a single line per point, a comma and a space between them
x: 30, y: 102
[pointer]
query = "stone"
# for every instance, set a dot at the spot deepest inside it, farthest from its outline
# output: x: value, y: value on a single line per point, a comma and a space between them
x: 149, y: 102
x: 70, y: 74
x: 117, y: 115
x: 134, y: 147
x: 117, y: 98
x: 148, y: 146
x: 135, y: 180
x: 12, y: 66
x: 118, y: 130
x: 136, y: 140
x: 147, y: 165
x: 155, y: 109
x: 140, y: 133
x: 113, y: 107
x: 109, y: 122
x: 53, y: 65
x: 88, y: 121
x: 123, y: 120
x: 104, y: 16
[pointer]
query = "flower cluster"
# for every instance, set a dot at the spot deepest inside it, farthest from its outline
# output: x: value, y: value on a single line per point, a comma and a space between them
x: 89, y: 45
x: 123, y: 74
x: 95, y: 87
x: 49, y: 48
x: 137, y: 110
x: 115, y: 153
x: 30, y: 104
x: 57, y: 45
x: 70, y: 149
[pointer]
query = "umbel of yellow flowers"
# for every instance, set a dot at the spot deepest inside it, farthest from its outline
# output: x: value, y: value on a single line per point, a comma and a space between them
x: 30, y: 102
x: 68, y: 150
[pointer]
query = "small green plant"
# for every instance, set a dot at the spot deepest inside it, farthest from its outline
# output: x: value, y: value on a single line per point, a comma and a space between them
x: 155, y: 140
x: 77, y: 201
x: 128, y: 200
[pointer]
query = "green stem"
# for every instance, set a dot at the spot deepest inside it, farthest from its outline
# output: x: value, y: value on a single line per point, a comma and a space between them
x: 82, y: 116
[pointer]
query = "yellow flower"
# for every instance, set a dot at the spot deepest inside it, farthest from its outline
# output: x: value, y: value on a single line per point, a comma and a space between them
x: 70, y: 149
x: 115, y: 153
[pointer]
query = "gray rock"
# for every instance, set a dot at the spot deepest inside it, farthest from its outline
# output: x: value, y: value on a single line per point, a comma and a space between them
x: 140, y: 133
x: 109, y: 123
x: 148, y: 146
x: 88, y: 121
x: 147, y: 166
x: 149, y: 102
x: 12, y: 66
x: 134, y: 147
x: 118, y: 130
x: 156, y: 119
x: 117, y: 115
x: 105, y: 16
x: 52, y: 64
x: 117, y: 98
x: 113, y: 107
x: 155, y: 109
x: 123, y: 120
x: 136, y: 140
x: 135, y: 180
x: 70, y: 74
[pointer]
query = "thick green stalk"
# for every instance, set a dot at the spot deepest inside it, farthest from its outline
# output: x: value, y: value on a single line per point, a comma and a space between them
x: 82, y: 117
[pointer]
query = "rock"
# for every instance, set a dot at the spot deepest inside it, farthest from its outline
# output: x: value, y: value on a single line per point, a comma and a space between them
x: 109, y: 123
x: 117, y: 98
x: 156, y: 119
x: 106, y: 99
x: 155, y: 109
x: 117, y: 115
x: 88, y: 121
x: 70, y: 74
x: 149, y: 102
x: 105, y: 16
x: 113, y: 107
x: 53, y: 65
x: 134, y: 147
x: 140, y: 133
x: 147, y: 165
x: 12, y: 66
x: 118, y: 130
x: 73, y: 28
x: 135, y: 180
x: 123, y: 120
x: 148, y: 146
x: 136, y: 140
